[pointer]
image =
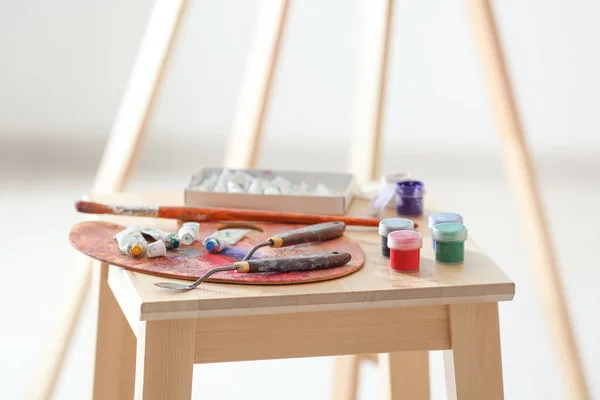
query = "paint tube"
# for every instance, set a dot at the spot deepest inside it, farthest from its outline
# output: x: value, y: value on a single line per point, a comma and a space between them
x: 233, y: 187
x: 131, y: 241
x: 242, y: 179
x: 303, y: 189
x: 222, y: 239
x: 188, y: 233
x: 256, y: 186
x: 208, y: 184
x: 284, y: 186
x: 221, y: 185
x: 322, y: 190
x: 170, y: 239
x: 271, y: 190
x: 156, y: 249
x: 195, y: 227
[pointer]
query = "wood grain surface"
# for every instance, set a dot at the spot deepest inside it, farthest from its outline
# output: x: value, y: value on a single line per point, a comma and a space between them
x: 95, y: 239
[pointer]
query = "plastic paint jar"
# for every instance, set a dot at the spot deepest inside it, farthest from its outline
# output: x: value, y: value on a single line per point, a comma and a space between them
x: 186, y: 235
x: 409, y: 197
x: 405, y: 250
x: 450, y: 242
x: 440, y: 218
x: 389, y: 225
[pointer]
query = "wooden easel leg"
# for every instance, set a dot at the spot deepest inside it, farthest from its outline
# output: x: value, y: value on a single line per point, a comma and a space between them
x: 165, y: 360
x: 345, y: 380
x: 116, y: 164
x: 474, y: 365
x: 253, y: 100
x: 405, y: 375
x: 522, y: 174
x: 114, y: 367
x: 365, y: 146
x: 142, y: 89
x: 59, y: 338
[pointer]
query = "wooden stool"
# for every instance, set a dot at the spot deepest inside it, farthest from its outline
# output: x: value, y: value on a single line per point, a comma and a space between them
x: 375, y: 310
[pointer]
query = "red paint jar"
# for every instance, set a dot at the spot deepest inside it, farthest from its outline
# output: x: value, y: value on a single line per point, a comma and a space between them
x: 405, y: 250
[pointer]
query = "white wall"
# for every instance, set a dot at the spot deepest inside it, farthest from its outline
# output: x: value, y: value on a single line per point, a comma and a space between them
x: 64, y: 64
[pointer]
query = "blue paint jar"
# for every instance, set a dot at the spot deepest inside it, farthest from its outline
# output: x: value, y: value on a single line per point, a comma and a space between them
x: 389, y: 225
x: 409, y: 198
x: 440, y: 218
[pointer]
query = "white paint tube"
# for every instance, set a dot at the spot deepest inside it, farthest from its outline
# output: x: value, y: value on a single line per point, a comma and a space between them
x: 233, y: 187
x: 209, y: 183
x: 284, y: 186
x: 221, y: 185
x: 322, y: 190
x: 242, y: 179
x: 186, y: 235
x: 156, y: 249
x: 131, y: 241
x: 303, y: 189
x: 223, y: 239
x: 271, y: 190
x: 195, y: 226
x: 256, y: 186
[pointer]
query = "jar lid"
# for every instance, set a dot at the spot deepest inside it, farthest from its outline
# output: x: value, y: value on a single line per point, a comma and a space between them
x: 410, y: 188
x: 405, y: 240
x: 449, y: 232
x: 389, y: 225
x: 441, y: 217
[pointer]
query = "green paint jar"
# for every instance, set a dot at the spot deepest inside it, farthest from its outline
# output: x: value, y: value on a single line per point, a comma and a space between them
x: 450, y: 242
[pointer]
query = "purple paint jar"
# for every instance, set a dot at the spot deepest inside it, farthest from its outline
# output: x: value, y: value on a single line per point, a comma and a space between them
x: 409, y: 197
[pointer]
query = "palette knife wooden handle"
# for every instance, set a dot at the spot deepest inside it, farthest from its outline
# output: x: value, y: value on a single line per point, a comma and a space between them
x: 312, y: 233
x: 301, y: 262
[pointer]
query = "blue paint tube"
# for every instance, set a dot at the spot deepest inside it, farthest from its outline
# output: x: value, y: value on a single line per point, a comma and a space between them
x: 223, y: 239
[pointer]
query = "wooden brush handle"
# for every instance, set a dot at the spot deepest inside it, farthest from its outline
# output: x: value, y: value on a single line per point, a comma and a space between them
x: 302, y: 262
x: 312, y: 233
x: 226, y: 214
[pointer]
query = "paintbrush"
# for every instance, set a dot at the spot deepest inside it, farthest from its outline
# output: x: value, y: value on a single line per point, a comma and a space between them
x: 302, y: 262
x: 218, y: 214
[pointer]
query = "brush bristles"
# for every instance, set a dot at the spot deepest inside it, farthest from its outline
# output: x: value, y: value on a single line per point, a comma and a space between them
x: 88, y: 207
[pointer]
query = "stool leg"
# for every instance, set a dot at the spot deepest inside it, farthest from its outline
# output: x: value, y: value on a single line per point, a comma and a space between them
x: 474, y: 365
x: 165, y: 360
x: 405, y: 375
x: 345, y: 381
x: 114, y: 368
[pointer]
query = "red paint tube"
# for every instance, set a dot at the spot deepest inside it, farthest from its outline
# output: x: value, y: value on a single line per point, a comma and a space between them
x: 405, y: 250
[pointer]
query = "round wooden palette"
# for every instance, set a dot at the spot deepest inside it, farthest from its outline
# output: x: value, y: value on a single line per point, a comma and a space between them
x: 95, y: 239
